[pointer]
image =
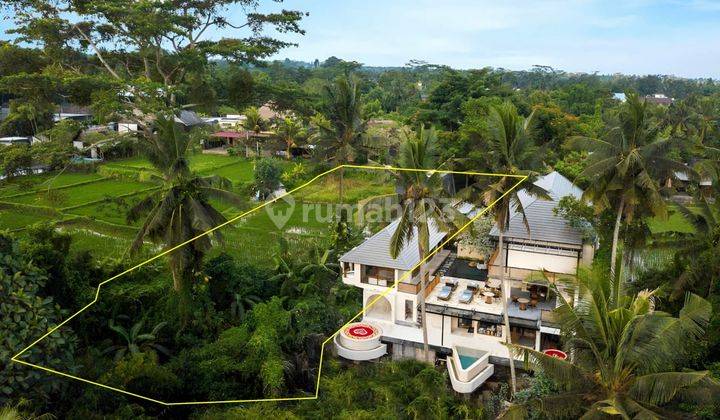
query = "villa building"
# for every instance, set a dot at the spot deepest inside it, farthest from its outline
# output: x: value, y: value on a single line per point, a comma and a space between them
x: 463, y: 292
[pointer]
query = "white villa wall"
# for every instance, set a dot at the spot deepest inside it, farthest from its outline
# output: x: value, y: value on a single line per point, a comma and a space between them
x: 438, y: 334
x: 536, y: 261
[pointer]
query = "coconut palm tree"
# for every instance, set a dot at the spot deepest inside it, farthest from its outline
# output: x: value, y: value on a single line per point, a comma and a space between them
x: 704, y: 239
x: 253, y: 122
x: 288, y: 130
x: 626, y: 164
x: 510, y: 151
x: 339, y: 135
x: 623, y: 354
x: 422, y: 207
x: 180, y: 210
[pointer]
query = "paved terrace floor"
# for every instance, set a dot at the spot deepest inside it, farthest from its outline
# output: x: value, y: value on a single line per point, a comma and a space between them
x: 478, y: 303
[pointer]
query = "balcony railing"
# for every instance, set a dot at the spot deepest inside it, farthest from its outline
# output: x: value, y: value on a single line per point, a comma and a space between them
x: 378, y: 281
x: 549, y: 319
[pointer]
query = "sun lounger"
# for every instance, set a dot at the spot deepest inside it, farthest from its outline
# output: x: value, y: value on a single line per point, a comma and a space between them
x: 445, y: 293
x: 452, y: 283
x: 466, y: 296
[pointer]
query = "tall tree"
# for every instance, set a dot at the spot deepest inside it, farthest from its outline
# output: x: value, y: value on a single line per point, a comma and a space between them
x: 180, y: 210
x: 154, y: 53
x: 339, y: 135
x: 697, y: 249
x: 510, y: 151
x: 289, y: 130
x: 625, y: 166
x: 253, y: 120
x: 423, y: 207
x: 623, y: 354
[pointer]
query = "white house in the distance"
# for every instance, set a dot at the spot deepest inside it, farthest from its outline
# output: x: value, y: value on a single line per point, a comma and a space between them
x: 463, y: 296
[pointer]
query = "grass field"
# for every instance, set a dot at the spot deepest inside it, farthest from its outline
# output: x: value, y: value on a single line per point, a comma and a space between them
x: 41, y: 182
x: 357, y: 185
x: 80, y: 194
x: 239, y: 172
x: 674, y: 223
x: 16, y: 219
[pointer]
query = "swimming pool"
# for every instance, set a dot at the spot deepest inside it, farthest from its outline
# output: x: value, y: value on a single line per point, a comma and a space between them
x: 466, y: 361
x: 461, y: 268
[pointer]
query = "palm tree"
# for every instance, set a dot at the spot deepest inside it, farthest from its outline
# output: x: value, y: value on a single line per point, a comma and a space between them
x: 288, y: 130
x: 136, y: 341
x: 180, y: 210
x: 510, y: 151
x: 421, y: 206
x: 339, y: 135
x: 253, y: 122
x: 705, y: 237
x: 622, y: 354
x: 625, y: 166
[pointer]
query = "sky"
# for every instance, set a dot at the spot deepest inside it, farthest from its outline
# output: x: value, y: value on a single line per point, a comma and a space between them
x: 675, y: 37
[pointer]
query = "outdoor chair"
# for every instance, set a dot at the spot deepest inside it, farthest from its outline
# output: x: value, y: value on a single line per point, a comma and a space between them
x: 466, y: 296
x: 445, y: 293
x: 452, y: 283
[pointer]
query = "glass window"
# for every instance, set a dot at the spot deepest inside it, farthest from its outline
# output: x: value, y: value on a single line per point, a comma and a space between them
x: 408, y: 310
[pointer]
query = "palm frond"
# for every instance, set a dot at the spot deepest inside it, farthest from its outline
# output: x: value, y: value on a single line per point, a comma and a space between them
x: 661, y: 388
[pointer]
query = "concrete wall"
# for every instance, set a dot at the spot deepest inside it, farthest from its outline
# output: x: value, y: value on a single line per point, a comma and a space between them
x: 536, y: 261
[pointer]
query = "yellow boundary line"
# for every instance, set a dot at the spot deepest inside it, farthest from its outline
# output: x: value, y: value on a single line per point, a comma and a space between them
x: 234, y: 219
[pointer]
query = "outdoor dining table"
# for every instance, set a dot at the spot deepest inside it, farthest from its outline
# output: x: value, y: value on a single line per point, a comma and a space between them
x: 493, y: 283
x: 489, y: 297
x: 523, y: 303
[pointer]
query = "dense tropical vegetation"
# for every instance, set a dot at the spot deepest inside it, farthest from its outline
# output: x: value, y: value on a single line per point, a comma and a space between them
x: 242, y: 313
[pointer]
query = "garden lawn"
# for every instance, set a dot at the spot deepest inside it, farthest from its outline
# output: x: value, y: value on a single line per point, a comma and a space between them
x: 81, y: 194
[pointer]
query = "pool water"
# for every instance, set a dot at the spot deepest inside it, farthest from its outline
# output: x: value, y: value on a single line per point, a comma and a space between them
x: 467, y: 361
x: 460, y: 268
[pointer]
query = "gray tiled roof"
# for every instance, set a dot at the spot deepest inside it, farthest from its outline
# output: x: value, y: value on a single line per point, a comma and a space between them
x: 545, y: 226
x: 376, y: 249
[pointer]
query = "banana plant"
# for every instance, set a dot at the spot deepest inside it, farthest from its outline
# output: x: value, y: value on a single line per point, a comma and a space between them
x: 136, y: 341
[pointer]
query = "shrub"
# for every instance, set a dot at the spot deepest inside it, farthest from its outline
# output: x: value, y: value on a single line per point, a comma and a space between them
x: 26, y: 315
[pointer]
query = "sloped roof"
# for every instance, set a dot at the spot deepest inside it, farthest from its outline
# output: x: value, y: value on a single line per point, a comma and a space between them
x: 544, y: 225
x: 558, y: 186
x: 376, y: 249
x: 189, y: 118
